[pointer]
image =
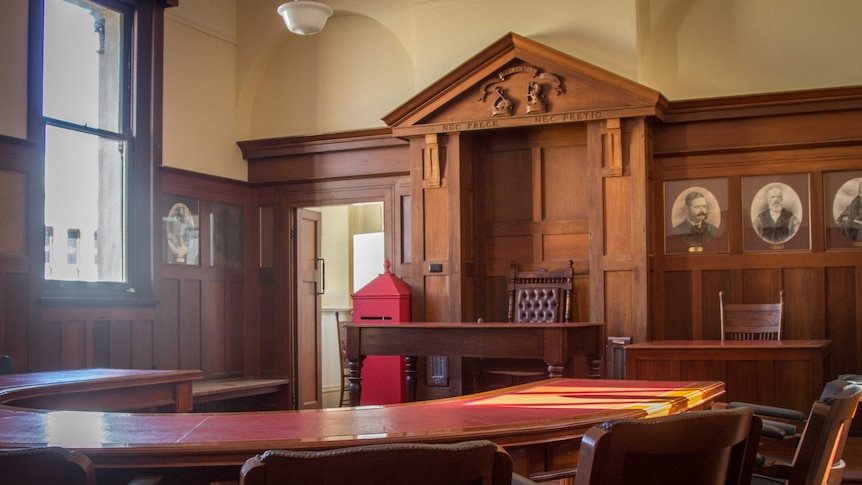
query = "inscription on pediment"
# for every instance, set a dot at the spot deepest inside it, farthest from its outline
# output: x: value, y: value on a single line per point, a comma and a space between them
x: 520, y: 90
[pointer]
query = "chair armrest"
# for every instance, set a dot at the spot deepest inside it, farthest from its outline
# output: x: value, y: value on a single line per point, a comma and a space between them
x: 771, y: 411
x: 521, y: 480
x: 554, y: 475
x: 777, y: 430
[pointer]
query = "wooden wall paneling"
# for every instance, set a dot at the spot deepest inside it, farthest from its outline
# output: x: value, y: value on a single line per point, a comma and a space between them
x: 403, y: 229
x: 437, y: 225
x: 74, y: 349
x: 14, y: 318
x: 267, y: 322
x: 678, y: 307
x: 467, y: 266
x: 636, y: 151
x: 595, y: 157
x: 564, y: 186
x: 840, y: 322
x: 190, y: 324
x: 166, y: 328
x: 755, y: 285
x: 260, y: 357
x: 47, y: 355
x: 13, y: 203
x: 120, y: 344
x: 100, y: 347
x: 696, y: 324
x: 712, y: 282
x: 143, y: 349
x: 233, y: 329
x: 804, y: 299
x: 214, y: 303
x: 19, y: 192
x: 618, y: 310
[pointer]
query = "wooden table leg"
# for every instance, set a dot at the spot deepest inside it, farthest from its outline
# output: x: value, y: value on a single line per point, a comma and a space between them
x: 410, y: 376
x: 354, y: 389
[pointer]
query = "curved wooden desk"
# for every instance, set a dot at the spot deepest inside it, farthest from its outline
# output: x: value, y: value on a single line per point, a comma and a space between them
x: 100, y: 389
x: 541, y: 420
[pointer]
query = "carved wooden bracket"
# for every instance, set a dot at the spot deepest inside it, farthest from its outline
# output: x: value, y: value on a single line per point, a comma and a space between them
x: 431, y: 161
x: 614, y: 148
x: 534, y: 98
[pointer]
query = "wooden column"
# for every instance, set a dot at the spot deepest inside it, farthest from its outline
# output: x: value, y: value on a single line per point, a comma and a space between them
x: 619, y: 218
x: 442, y: 215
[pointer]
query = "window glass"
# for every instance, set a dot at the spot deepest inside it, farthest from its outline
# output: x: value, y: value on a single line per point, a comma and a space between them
x: 84, y: 190
x: 86, y: 147
x: 83, y: 51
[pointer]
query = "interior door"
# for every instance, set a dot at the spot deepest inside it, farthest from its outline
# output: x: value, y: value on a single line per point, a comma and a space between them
x: 309, y: 287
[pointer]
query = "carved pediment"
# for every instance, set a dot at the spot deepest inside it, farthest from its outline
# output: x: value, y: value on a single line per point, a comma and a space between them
x: 519, y: 82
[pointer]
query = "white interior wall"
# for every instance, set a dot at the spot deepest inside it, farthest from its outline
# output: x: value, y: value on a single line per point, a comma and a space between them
x: 233, y: 72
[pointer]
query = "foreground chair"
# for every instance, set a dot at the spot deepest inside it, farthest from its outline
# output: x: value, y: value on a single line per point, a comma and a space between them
x: 751, y: 321
x: 466, y: 463
x: 818, y: 456
x: 702, y: 447
x: 46, y: 466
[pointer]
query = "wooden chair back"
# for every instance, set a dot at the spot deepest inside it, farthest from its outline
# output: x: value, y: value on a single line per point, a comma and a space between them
x: 822, y: 443
x: 467, y: 463
x: 540, y: 296
x: 747, y: 321
x: 46, y: 466
x: 703, y: 447
x: 344, y: 398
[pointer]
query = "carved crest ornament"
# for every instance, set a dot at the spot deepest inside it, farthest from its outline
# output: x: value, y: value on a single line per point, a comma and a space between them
x: 533, y: 96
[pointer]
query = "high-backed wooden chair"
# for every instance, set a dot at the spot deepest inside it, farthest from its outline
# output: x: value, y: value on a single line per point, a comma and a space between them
x: 344, y: 397
x: 702, y: 447
x: 46, y: 466
x: 818, y: 456
x: 539, y: 296
x: 466, y: 463
x: 747, y: 321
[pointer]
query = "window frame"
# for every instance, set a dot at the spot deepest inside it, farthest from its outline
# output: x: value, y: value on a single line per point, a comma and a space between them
x: 143, y: 99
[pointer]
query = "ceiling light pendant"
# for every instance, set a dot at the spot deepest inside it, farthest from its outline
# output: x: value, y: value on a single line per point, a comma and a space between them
x: 304, y: 17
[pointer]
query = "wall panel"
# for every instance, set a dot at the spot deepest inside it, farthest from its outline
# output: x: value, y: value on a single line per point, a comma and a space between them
x: 820, y: 283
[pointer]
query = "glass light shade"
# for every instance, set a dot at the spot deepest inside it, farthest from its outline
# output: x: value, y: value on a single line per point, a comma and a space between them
x: 304, y: 17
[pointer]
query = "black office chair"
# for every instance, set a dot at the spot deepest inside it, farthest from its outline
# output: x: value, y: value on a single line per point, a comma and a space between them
x: 46, y: 466
x: 6, y: 366
x: 815, y: 454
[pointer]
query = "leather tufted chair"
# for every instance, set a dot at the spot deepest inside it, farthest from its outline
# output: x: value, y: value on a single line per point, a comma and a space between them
x: 539, y: 296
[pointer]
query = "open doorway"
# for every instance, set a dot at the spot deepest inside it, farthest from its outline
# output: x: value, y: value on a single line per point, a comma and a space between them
x: 353, y: 248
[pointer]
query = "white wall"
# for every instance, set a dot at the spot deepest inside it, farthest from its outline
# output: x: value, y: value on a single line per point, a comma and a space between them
x: 233, y: 72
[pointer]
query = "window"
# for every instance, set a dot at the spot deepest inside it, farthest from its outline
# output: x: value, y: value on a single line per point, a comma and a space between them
x: 98, y: 63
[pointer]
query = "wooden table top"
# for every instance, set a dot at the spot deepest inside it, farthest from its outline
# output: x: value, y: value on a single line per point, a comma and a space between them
x: 549, y: 410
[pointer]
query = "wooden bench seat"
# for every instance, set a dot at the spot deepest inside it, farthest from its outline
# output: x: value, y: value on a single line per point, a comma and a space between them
x: 276, y: 393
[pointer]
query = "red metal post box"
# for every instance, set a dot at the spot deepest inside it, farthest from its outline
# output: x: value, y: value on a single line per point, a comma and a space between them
x: 385, y: 299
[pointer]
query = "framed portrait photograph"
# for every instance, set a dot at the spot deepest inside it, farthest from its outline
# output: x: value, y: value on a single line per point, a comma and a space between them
x: 775, y: 212
x: 225, y: 234
x: 695, y: 216
x: 843, y: 209
x: 182, y: 230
